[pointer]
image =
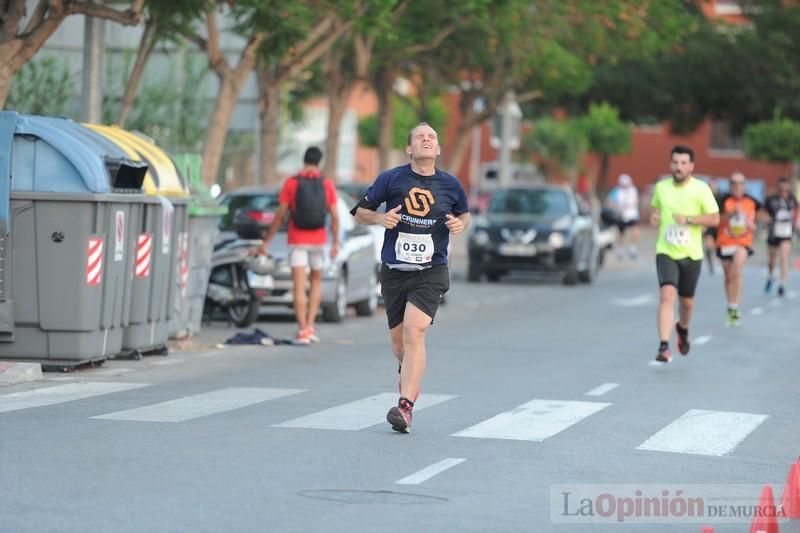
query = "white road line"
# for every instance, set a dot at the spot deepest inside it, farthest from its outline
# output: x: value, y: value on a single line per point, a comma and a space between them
x: 428, y: 472
x: 168, y: 362
x: 360, y: 414
x: 704, y: 432
x: 533, y: 421
x: 699, y: 341
x: 61, y: 393
x: 208, y: 403
x: 602, y: 389
x: 636, y: 301
x: 208, y: 354
x: 757, y: 311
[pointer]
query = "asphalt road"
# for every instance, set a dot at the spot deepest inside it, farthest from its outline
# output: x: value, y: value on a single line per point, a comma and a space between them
x: 536, y: 396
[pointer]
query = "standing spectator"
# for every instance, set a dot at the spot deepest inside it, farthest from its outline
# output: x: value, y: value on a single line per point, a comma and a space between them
x: 624, y: 200
x: 310, y: 198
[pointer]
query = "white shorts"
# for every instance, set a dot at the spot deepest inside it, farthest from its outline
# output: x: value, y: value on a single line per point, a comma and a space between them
x: 307, y: 256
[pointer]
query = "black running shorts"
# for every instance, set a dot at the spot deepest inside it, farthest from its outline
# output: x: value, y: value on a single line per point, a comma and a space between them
x: 423, y: 288
x: 773, y: 242
x: 680, y: 273
x: 725, y: 253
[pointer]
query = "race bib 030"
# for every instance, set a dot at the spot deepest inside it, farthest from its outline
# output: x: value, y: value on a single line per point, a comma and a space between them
x: 414, y: 248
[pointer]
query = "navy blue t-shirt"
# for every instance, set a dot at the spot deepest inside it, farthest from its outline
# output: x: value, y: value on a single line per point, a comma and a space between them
x: 425, y: 200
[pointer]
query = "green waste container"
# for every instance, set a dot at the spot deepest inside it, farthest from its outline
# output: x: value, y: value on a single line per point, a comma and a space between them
x: 204, y: 215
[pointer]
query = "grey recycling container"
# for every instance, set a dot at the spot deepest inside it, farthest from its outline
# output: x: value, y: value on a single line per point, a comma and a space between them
x: 67, y: 203
x: 204, y: 214
x: 159, y: 295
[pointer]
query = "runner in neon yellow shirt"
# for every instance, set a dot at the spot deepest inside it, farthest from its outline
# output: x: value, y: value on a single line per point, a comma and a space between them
x: 682, y: 207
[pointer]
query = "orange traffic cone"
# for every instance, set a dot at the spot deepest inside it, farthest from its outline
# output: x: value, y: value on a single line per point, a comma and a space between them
x: 790, y: 503
x: 765, y: 520
x: 708, y: 529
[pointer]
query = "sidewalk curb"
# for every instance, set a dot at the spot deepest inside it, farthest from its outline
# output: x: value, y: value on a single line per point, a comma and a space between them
x: 11, y: 372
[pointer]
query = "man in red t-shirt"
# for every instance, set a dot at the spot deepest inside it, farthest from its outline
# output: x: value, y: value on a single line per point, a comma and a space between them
x: 307, y: 238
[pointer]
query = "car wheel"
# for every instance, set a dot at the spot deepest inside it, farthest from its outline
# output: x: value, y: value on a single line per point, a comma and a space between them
x: 474, y: 272
x: 337, y: 310
x: 367, y: 307
x: 592, y: 267
x: 570, y: 275
x: 494, y: 277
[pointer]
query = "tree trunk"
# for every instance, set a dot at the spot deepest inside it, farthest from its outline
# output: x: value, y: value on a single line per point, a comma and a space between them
x: 269, y: 101
x: 146, y: 45
x: 385, y: 117
x: 6, y: 75
x: 214, y: 143
x: 339, y: 90
x: 603, y: 180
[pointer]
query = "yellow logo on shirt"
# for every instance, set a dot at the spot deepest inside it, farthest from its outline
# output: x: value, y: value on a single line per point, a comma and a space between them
x: 419, y: 202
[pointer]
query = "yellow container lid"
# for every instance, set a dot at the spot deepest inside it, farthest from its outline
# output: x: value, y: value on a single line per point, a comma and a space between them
x: 162, y: 178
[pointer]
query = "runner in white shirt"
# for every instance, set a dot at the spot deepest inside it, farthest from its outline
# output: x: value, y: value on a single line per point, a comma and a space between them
x: 624, y: 200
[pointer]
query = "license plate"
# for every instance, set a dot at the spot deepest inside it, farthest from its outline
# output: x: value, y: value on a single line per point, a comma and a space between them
x: 518, y: 249
x: 258, y: 281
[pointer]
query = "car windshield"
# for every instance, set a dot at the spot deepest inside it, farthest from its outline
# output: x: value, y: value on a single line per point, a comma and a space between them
x: 257, y: 202
x: 541, y: 202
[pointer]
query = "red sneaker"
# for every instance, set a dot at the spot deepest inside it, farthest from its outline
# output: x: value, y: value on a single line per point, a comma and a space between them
x: 683, y: 340
x: 400, y: 417
x: 664, y: 356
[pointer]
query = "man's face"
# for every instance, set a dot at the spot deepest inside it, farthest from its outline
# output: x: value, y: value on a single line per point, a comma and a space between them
x: 737, y: 186
x: 681, y: 166
x: 784, y: 187
x: 424, y: 143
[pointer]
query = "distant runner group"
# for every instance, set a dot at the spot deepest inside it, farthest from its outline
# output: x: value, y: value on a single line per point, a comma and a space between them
x: 686, y: 212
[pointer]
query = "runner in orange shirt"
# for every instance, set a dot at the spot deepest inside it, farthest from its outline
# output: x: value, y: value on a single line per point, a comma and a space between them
x: 737, y: 225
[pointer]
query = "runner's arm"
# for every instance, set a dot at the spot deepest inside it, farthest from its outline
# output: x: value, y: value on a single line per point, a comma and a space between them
x: 708, y: 220
x: 277, y: 222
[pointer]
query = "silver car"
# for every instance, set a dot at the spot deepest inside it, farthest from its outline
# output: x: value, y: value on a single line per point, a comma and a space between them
x: 349, y: 280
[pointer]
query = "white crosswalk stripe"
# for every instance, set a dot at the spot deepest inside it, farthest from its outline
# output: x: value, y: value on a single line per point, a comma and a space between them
x: 61, y: 393
x: 535, y: 420
x: 360, y: 414
x: 198, y: 405
x: 704, y: 432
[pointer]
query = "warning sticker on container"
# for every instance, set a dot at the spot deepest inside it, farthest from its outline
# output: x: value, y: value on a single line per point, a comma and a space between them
x: 183, y: 264
x: 144, y: 251
x: 94, y: 262
x: 119, y: 236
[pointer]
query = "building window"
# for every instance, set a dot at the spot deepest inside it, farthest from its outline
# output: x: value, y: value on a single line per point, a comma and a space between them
x: 722, y: 139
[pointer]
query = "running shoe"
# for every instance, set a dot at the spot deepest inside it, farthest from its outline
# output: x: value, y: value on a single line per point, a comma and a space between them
x: 400, y: 417
x: 683, y: 339
x: 311, y: 333
x: 781, y: 291
x: 734, y: 318
x: 302, y: 337
x: 768, y: 286
x: 663, y: 356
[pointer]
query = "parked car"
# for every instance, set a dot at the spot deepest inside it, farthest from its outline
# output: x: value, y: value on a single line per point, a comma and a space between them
x: 349, y: 280
x: 540, y: 228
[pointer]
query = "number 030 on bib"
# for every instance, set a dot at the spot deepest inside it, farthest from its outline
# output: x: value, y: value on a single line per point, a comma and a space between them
x: 413, y: 248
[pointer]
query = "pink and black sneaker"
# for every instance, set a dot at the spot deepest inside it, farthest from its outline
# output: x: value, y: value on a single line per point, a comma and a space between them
x: 400, y: 417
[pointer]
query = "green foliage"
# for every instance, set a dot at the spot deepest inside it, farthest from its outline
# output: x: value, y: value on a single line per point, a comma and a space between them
x: 172, y: 108
x: 44, y: 86
x: 605, y: 132
x: 406, y: 116
x: 558, y: 145
x: 775, y: 140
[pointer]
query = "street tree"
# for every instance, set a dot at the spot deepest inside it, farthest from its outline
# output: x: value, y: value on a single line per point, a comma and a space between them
x: 294, y: 40
x: 558, y: 146
x: 165, y: 21
x: 777, y: 140
x: 231, y: 77
x: 23, y: 34
x: 606, y: 135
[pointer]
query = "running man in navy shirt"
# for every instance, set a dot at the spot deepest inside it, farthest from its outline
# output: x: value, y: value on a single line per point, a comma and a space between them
x: 423, y: 207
